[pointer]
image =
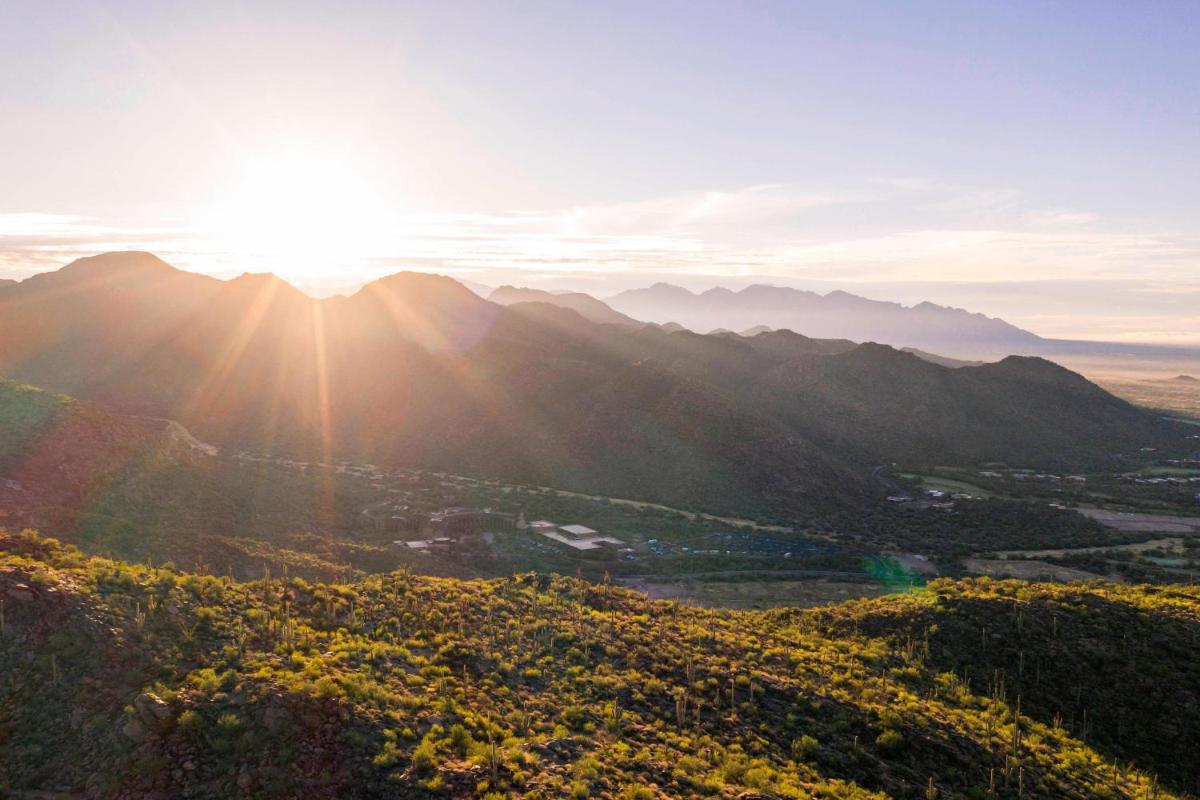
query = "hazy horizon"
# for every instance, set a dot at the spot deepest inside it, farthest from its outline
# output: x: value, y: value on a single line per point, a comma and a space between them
x: 1027, y: 162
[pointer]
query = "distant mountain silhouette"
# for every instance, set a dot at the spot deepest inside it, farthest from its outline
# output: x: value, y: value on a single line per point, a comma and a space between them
x: 945, y: 361
x: 835, y: 315
x: 415, y: 369
x: 1186, y: 379
x: 909, y: 406
x: 481, y: 289
x: 585, y: 305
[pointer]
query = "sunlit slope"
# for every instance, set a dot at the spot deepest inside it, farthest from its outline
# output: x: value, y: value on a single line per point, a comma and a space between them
x: 415, y: 369
x: 127, y: 679
x: 58, y: 455
x: 145, y: 489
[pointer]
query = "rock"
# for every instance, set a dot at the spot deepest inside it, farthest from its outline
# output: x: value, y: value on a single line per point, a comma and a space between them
x: 557, y: 747
x: 135, y: 731
x: 151, y: 709
x: 20, y: 592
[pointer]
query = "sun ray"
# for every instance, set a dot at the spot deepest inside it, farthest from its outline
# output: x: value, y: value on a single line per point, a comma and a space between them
x: 325, y: 487
x: 207, y: 394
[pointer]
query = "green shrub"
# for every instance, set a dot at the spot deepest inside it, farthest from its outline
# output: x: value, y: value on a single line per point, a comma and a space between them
x: 890, y: 741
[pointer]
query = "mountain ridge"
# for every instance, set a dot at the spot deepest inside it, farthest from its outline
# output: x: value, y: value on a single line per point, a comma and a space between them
x: 416, y: 369
x: 587, y: 306
x: 924, y: 325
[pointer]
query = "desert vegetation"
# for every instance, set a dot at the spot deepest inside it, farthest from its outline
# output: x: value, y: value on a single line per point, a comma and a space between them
x: 129, y: 679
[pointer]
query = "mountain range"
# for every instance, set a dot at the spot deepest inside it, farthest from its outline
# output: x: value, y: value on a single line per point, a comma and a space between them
x: 585, y: 305
x: 837, y: 314
x: 414, y: 369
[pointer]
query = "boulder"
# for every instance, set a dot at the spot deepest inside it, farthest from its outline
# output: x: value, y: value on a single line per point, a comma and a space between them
x: 151, y: 710
x: 135, y: 731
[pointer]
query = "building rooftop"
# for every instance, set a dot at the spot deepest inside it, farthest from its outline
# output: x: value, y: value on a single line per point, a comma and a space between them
x: 592, y: 543
x: 577, y: 530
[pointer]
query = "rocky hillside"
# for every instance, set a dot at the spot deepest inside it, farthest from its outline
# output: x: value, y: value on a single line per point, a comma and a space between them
x: 126, y: 681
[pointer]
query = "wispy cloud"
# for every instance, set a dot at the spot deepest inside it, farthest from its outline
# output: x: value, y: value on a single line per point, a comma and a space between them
x: 897, y: 230
x: 34, y: 242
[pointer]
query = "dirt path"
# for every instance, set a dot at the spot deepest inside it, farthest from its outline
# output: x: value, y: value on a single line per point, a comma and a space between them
x: 641, y: 504
x: 736, y: 522
x: 182, y: 434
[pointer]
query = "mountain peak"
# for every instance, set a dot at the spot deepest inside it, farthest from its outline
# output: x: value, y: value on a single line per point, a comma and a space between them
x: 264, y: 282
x: 116, y: 265
x: 435, y: 311
x: 876, y: 356
x: 133, y: 272
x: 257, y: 278
x: 422, y: 282
x: 119, y: 259
x: 1037, y: 369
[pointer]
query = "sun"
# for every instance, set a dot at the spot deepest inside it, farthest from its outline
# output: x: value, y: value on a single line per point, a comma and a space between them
x: 301, y: 213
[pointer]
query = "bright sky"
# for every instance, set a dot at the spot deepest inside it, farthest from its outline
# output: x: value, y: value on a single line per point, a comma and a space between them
x: 1037, y: 159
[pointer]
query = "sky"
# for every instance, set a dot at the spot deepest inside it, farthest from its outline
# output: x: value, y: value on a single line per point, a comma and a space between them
x: 1033, y: 160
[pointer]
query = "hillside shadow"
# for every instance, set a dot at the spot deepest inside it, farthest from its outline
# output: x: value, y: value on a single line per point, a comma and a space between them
x: 1124, y: 681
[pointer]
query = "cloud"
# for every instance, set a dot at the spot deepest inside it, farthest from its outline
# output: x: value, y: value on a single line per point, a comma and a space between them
x: 1060, y: 217
x: 34, y: 242
x: 899, y: 230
